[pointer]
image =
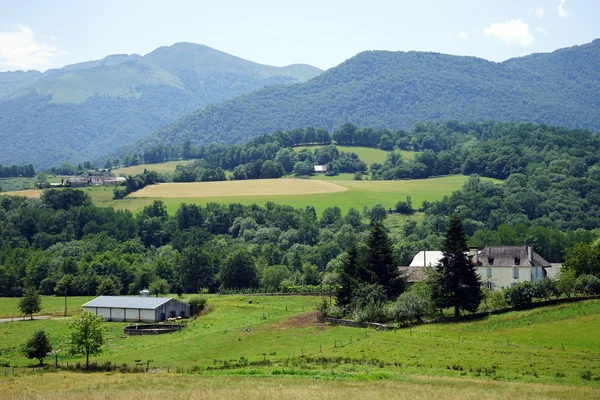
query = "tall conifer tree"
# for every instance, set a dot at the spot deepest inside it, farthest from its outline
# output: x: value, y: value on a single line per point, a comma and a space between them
x: 381, y: 262
x: 454, y: 281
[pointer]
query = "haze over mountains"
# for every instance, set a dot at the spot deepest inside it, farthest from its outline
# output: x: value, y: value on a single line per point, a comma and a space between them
x: 84, y: 111
x: 398, y: 89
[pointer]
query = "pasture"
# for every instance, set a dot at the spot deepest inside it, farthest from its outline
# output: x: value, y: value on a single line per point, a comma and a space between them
x: 320, y: 192
x: 550, y: 351
x: 168, y: 166
x: 51, y: 305
x: 369, y: 155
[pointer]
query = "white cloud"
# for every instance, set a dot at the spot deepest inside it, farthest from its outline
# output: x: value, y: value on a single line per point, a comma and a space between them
x: 561, y: 11
x: 22, y: 48
x: 511, y: 32
x: 541, y: 30
x: 462, y: 35
x: 539, y: 12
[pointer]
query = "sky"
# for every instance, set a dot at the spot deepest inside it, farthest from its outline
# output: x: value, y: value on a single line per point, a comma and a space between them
x: 40, y: 34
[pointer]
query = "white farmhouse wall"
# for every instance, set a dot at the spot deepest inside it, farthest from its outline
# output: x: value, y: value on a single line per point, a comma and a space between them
x: 503, y: 277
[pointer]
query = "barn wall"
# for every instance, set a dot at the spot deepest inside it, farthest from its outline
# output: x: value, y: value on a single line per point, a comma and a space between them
x: 172, y: 308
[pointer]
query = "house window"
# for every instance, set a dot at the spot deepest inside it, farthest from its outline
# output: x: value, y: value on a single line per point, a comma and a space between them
x: 488, y: 272
x: 517, y: 260
x: 516, y: 273
x: 490, y: 285
x: 491, y: 260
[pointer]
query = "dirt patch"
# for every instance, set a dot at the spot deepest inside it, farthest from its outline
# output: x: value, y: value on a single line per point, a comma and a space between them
x: 299, y: 321
x: 257, y: 187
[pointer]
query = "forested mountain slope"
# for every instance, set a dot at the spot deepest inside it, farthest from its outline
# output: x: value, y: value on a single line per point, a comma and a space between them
x: 86, y: 110
x: 398, y: 89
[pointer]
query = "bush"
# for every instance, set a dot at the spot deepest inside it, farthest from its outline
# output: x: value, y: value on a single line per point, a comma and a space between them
x: 520, y: 294
x: 496, y: 299
x: 367, y: 303
x: 197, y: 305
x: 546, y: 288
x: 588, y: 284
x: 410, y: 307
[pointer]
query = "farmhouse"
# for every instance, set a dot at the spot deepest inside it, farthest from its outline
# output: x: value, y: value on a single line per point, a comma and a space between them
x: 141, y: 309
x: 504, y: 266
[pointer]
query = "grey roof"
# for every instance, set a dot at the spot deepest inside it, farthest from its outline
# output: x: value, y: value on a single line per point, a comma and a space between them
x: 504, y: 256
x: 144, y: 303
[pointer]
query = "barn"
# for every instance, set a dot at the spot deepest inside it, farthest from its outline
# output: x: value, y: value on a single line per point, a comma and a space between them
x: 140, y: 309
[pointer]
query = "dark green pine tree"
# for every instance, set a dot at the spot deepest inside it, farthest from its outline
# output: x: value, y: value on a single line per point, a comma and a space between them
x: 454, y: 281
x: 343, y: 295
x: 381, y: 262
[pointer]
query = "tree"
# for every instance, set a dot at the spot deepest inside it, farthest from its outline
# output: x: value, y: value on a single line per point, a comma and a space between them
x: 87, y: 337
x: 454, y: 281
x: 584, y: 259
x: 30, y: 303
x: 380, y: 261
x: 238, y: 271
x: 377, y: 213
x: 37, y: 346
x: 273, y: 276
x: 159, y: 286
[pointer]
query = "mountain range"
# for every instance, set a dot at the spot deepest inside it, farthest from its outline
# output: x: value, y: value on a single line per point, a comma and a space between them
x: 383, y: 89
x: 84, y: 111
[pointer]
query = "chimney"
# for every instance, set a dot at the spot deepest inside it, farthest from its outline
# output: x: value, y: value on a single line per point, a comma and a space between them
x: 530, y: 254
x: 474, y: 253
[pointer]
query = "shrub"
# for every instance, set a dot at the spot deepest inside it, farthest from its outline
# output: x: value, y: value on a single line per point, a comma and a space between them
x: 496, y: 299
x: 197, y: 304
x: 410, y: 307
x: 588, y: 284
x: 520, y: 294
x: 546, y: 288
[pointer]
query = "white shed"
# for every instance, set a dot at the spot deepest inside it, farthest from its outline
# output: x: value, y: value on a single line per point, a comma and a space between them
x: 141, y: 309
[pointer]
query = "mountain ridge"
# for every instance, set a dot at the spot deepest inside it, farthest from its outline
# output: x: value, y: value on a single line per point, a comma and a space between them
x: 385, y: 89
x: 88, y: 109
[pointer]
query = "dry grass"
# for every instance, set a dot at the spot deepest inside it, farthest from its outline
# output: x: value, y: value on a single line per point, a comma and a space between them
x: 173, y: 386
x: 161, y: 168
x: 31, y: 193
x: 259, y: 187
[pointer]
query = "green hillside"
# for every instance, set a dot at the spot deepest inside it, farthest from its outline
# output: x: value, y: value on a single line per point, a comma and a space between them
x: 367, y: 154
x: 398, y: 89
x: 84, y: 111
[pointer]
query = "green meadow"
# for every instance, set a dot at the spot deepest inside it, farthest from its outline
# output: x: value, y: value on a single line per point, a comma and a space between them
x: 279, y: 335
x: 369, y: 155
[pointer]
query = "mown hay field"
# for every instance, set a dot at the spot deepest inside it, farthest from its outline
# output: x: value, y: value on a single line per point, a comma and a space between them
x: 320, y: 192
x: 258, y: 187
x: 278, y: 336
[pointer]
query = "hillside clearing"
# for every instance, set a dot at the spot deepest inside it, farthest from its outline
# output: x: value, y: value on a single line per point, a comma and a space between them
x: 369, y: 155
x: 162, y: 168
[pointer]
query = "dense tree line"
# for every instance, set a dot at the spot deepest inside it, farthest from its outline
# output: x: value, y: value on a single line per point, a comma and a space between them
x: 16, y: 171
x: 63, y: 243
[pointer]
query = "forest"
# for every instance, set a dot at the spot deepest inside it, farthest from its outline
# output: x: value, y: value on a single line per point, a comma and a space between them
x: 397, y: 90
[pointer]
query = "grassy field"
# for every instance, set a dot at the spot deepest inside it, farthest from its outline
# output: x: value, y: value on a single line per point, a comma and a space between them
x: 68, y: 386
x: 9, y: 307
x: 161, y: 167
x: 278, y: 335
x: 357, y: 193
x: 368, y: 154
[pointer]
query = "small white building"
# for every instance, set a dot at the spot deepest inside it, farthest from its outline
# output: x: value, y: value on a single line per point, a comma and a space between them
x: 502, y: 267
x: 140, y: 309
x: 321, y: 168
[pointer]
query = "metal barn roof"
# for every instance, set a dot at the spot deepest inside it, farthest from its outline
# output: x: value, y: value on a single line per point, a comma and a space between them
x: 144, y: 303
x: 427, y: 258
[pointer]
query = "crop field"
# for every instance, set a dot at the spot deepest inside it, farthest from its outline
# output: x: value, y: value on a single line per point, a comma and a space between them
x: 368, y: 154
x: 276, y: 342
x: 160, y: 167
x: 320, y: 192
x: 356, y: 194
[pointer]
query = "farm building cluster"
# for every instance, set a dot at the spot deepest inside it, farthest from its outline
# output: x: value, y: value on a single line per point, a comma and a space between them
x: 499, y: 267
